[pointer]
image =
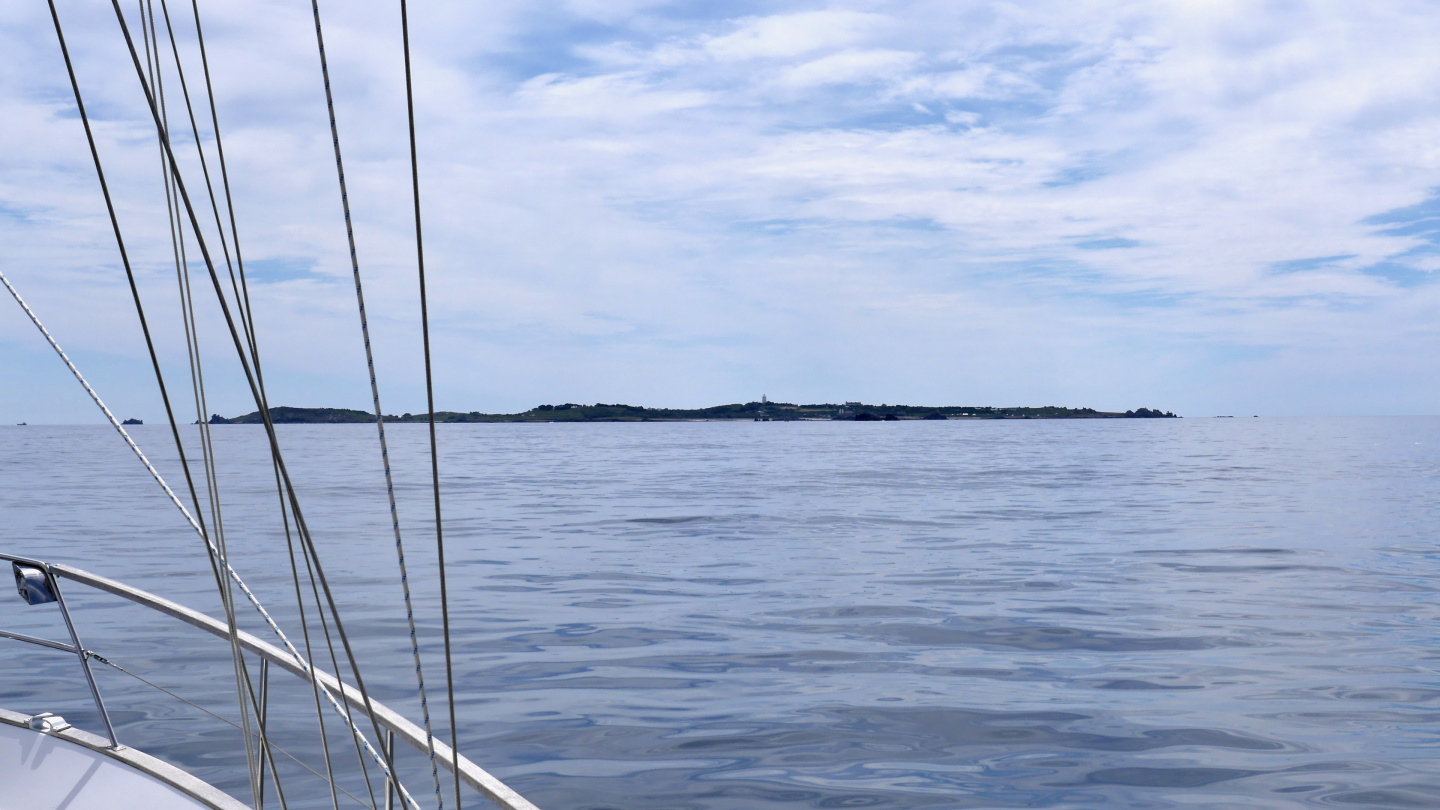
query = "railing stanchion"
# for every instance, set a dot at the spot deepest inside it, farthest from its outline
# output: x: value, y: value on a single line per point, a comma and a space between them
x: 390, y: 755
x: 83, y: 656
x: 260, y: 718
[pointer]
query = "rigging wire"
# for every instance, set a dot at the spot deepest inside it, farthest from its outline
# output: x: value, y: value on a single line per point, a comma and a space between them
x: 248, y: 324
x: 320, y: 610
x: 248, y: 313
x: 155, y: 474
x: 217, y: 558
x: 245, y: 322
x: 325, y: 628
x: 299, y: 660
x: 305, y: 629
x: 86, y: 385
x: 139, y: 307
x: 144, y: 325
x: 304, y: 665
x: 91, y: 391
x: 116, y: 424
x: 102, y: 659
x: 379, y: 414
x: 131, y: 442
x: 197, y: 381
x: 430, y: 398
x: 196, y: 524
x: 211, y: 552
x: 269, y: 424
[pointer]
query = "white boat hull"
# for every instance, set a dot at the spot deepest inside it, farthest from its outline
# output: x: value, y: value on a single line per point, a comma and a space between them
x: 74, y: 770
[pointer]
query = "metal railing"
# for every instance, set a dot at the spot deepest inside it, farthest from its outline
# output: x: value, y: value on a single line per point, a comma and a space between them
x: 55, y: 594
x: 395, y: 724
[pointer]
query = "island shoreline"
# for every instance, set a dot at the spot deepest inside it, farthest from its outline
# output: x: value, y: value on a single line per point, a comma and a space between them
x: 762, y: 411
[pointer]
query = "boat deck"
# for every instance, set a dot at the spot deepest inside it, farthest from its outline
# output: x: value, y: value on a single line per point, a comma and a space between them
x: 76, y: 770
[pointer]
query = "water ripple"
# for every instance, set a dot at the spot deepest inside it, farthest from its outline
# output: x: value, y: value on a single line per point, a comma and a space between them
x: 1185, y: 613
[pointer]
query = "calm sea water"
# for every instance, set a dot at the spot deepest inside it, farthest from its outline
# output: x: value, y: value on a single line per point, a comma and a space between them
x: 1156, y: 613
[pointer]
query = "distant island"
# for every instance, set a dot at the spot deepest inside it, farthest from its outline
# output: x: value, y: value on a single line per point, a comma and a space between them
x: 763, y: 411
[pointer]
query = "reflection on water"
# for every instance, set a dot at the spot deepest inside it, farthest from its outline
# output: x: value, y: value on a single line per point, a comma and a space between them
x: 970, y: 614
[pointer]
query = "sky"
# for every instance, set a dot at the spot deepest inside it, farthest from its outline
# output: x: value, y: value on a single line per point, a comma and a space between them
x: 1207, y: 207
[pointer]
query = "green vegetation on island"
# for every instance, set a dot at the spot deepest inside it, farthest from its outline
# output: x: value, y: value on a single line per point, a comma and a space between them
x: 749, y: 411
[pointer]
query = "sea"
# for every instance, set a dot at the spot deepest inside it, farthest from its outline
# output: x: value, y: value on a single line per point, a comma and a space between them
x: 1121, y: 613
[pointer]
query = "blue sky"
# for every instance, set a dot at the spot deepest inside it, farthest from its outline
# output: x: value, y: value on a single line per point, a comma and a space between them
x: 1211, y: 208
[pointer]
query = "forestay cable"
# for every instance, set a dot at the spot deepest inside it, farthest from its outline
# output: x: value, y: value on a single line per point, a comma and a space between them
x: 246, y: 321
x: 155, y: 474
x: 247, y: 315
x: 299, y: 659
x: 264, y: 411
x: 139, y: 307
x: 379, y: 414
x: 96, y: 397
x: 130, y: 277
x: 197, y: 381
x: 430, y: 397
x: 217, y: 559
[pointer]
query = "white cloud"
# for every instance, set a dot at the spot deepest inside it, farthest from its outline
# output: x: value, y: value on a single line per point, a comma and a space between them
x: 849, y: 67
x: 782, y: 36
x: 613, y: 97
x: 630, y: 202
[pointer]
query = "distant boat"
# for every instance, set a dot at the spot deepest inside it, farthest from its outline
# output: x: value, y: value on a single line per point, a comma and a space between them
x: 133, y: 422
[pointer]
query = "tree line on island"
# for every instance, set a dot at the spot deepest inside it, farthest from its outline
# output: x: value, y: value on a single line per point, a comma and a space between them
x: 763, y: 411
